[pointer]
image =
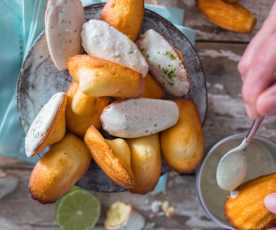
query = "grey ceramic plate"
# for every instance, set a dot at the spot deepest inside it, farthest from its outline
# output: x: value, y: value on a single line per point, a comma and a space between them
x: 40, y: 79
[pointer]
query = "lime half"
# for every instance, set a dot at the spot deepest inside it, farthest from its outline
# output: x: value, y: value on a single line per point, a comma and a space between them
x: 78, y: 210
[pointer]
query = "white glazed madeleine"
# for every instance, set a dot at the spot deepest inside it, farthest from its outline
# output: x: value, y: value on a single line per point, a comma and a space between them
x: 63, y: 24
x: 101, y: 40
x: 48, y: 127
x: 164, y: 63
x: 139, y: 117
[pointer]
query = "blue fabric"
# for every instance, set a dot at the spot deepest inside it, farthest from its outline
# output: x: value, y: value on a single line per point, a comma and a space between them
x: 20, y: 23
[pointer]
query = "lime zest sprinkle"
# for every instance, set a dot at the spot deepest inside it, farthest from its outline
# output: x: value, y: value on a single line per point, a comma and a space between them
x: 170, y: 55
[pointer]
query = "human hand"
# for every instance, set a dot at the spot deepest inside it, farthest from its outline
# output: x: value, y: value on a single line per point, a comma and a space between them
x: 270, y: 204
x: 258, y: 70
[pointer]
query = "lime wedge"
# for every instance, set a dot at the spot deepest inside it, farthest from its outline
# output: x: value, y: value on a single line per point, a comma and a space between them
x: 78, y: 210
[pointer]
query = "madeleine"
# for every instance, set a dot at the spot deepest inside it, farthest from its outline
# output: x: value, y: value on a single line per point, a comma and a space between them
x: 126, y: 16
x: 165, y: 63
x: 59, y: 169
x: 114, y: 167
x: 83, y: 104
x: 101, y: 40
x: 63, y: 24
x: 245, y: 210
x: 139, y: 117
x: 99, y: 78
x: 152, y: 89
x: 183, y: 145
x: 146, y: 162
x: 48, y: 127
x: 91, y: 112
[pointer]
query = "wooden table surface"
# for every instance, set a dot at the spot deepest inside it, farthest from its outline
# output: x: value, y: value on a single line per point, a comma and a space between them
x: 220, y: 52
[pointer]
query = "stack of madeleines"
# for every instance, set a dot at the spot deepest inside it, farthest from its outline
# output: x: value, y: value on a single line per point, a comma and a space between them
x: 125, y: 84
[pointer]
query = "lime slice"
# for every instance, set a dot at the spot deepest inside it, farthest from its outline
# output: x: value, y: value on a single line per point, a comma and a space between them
x: 74, y: 188
x: 78, y: 210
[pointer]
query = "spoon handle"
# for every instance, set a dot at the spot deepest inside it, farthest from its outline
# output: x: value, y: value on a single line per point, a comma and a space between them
x: 255, y: 125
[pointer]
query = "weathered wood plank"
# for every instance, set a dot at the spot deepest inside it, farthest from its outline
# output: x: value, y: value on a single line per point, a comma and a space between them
x: 19, y: 211
x: 209, y: 32
x: 226, y: 116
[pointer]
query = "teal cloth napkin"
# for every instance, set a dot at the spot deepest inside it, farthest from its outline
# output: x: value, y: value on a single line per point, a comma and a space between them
x: 20, y: 23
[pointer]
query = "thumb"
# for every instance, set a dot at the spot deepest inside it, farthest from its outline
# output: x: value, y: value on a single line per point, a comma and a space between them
x: 270, y: 202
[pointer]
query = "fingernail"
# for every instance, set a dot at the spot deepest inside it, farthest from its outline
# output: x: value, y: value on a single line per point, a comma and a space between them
x: 252, y: 113
x: 270, y: 202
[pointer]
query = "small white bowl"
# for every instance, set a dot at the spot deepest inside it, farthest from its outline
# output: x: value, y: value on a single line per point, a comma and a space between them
x: 261, y: 157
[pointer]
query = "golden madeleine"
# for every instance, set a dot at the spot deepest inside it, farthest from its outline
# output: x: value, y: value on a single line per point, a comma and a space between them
x: 229, y: 16
x: 83, y: 104
x: 59, y: 169
x: 121, y: 150
x: 245, y: 210
x: 183, y: 145
x: 78, y: 124
x: 102, y: 153
x: 48, y: 127
x: 146, y: 162
x: 152, y: 89
x: 99, y: 78
x: 125, y: 15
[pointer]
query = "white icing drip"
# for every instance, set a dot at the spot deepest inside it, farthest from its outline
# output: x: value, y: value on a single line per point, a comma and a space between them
x: 41, y: 124
x: 101, y: 40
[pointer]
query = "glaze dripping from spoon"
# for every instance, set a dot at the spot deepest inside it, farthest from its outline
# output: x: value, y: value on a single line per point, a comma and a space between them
x: 232, y: 167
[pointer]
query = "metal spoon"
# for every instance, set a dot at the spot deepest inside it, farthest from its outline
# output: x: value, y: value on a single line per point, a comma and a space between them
x: 232, y: 167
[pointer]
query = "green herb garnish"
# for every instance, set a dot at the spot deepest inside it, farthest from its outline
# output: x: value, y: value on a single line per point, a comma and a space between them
x: 130, y: 52
x: 170, y: 72
x: 170, y: 55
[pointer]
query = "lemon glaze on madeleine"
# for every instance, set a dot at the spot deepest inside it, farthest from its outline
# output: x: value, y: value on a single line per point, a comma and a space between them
x: 246, y: 210
x: 165, y: 63
x: 48, y: 127
x: 102, y: 153
x: 63, y: 23
x: 139, y: 117
x: 183, y: 145
x: 78, y: 124
x: 59, y: 169
x: 99, y: 78
x: 146, y: 162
